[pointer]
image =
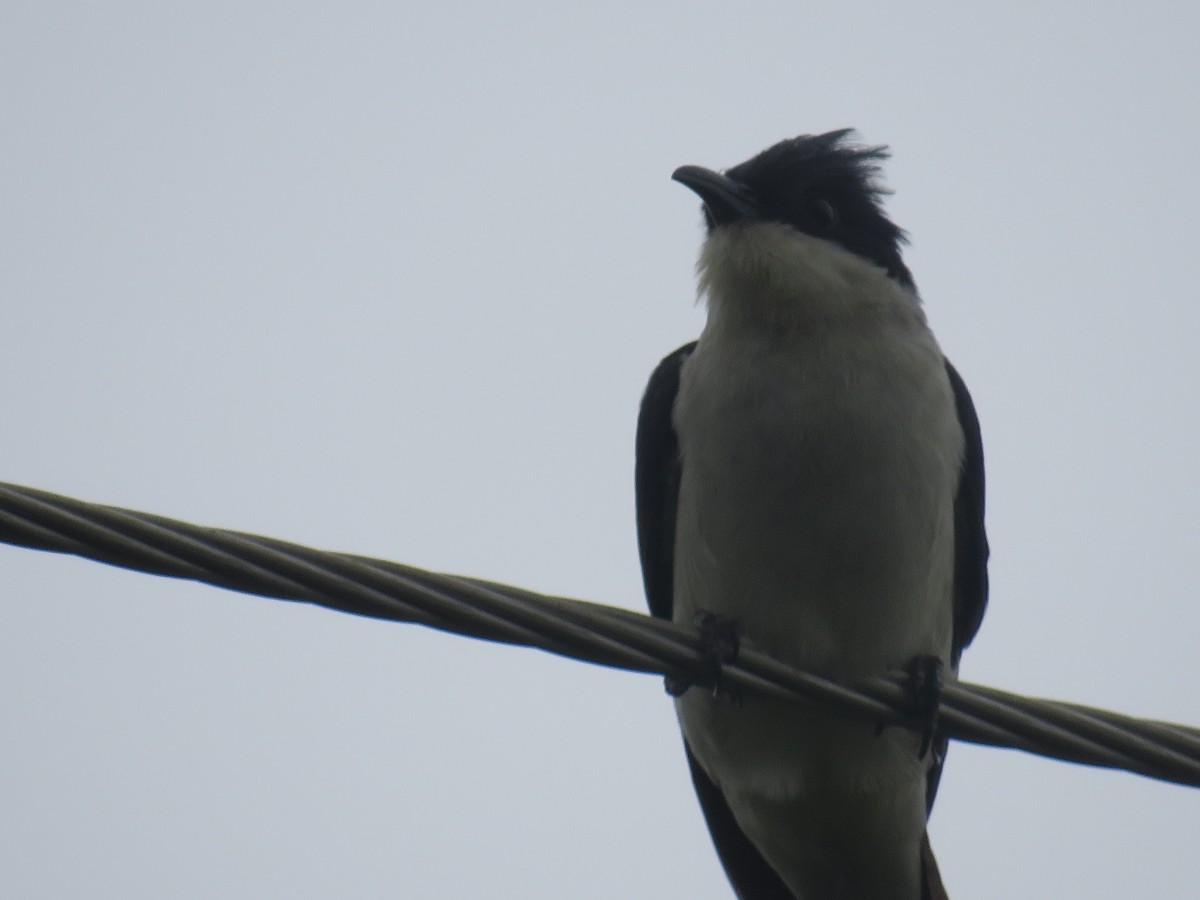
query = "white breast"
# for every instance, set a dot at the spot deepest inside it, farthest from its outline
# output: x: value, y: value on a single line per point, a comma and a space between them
x: 821, y: 452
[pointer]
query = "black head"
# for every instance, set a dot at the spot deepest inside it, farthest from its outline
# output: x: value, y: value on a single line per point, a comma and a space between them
x: 823, y: 185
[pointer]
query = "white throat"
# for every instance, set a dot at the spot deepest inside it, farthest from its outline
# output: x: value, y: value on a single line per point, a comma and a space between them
x: 781, y: 277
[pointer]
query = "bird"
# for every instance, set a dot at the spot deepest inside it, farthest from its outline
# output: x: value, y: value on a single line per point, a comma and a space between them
x: 809, y: 477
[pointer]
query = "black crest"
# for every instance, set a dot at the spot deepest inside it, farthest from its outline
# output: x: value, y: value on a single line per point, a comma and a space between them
x: 828, y: 186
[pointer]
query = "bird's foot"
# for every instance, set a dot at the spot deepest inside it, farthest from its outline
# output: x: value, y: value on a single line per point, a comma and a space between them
x: 720, y: 640
x: 926, y: 680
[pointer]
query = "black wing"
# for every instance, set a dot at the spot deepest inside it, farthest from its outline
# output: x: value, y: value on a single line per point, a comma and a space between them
x: 656, y: 480
x: 970, y: 550
x: 970, y: 539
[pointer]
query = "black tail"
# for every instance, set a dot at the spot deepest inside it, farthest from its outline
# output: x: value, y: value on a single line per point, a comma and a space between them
x: 931, y: 879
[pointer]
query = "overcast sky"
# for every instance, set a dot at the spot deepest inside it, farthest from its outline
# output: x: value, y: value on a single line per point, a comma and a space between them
x: 389, y: 279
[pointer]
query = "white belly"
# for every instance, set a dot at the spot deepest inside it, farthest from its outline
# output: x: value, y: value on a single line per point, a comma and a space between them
x: 816, y: 508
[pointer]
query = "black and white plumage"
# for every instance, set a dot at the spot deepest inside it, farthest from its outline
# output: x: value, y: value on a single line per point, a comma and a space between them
x: 812, y: 468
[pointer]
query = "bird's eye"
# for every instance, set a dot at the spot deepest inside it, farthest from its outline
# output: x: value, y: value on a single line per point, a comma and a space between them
x: 824, y: 216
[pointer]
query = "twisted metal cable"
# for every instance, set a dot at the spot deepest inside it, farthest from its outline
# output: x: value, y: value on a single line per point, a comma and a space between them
x: 573, y: 628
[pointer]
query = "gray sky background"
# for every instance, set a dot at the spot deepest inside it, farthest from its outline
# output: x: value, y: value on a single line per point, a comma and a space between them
x: 390, y: 279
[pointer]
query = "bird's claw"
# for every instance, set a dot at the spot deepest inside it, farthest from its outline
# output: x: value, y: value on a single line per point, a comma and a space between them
x: 720, y: 640
x: 927, y: 678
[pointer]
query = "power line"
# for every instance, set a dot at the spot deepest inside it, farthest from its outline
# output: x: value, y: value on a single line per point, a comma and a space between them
x: 592, y: 632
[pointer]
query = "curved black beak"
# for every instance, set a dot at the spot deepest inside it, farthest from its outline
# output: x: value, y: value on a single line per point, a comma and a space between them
x: 726, y: 200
